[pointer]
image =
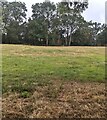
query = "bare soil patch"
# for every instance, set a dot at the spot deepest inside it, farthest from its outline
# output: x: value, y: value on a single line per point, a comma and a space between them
x: 58, y: 100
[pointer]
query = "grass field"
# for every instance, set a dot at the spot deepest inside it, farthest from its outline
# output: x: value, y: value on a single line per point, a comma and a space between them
x: 27, y: 69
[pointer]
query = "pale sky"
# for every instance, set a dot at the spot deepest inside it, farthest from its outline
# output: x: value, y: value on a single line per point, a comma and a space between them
x: 95, y: 11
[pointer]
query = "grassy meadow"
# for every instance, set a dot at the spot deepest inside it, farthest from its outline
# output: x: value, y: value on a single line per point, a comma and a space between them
x: 25, y: 67
x: 53, y: 82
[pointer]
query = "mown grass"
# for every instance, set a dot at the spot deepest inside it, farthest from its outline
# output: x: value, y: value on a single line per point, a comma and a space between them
x: 25, y: 67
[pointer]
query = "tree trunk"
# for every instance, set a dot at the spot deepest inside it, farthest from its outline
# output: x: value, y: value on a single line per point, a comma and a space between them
x: 66, y: 42
x: 47, y: 41
x: 59, y: 38
x: 70, y: 40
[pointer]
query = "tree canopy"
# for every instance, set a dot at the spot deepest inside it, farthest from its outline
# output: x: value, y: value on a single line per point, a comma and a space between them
x: 50, y: 24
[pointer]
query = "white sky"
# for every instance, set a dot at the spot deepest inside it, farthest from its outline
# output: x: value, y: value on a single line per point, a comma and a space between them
x: 95, y: 11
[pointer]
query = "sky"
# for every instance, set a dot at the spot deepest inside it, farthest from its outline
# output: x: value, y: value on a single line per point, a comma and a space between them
x: 106, y: 12
x: 95, y: 11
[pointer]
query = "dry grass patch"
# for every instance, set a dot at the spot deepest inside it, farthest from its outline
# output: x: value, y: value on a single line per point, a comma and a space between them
x: 69, y: 99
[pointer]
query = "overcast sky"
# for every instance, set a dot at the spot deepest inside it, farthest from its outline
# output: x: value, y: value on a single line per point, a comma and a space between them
x: 95, y: 11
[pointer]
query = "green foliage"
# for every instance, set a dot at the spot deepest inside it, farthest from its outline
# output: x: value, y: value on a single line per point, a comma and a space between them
x: 102, y: 37
x: 25, y: 94
x: 43, y: 14
x: 50, y: 24
x: 14, y: 14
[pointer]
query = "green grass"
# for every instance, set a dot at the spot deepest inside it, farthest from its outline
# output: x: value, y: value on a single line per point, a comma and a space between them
x: 25, y: 67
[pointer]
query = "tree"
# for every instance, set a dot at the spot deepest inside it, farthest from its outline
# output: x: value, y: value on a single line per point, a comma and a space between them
x: 44, y: 12
x: 14, y: 15
x: 96, y: 28
x: 1, y: 23
x: 102, y: 36
x: 50, y: 24
x: 36, y: 32
x: 82, y: 35
x: 71, y: 18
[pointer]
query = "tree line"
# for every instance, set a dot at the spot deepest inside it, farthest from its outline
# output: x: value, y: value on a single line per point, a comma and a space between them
x: 50, y: 24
